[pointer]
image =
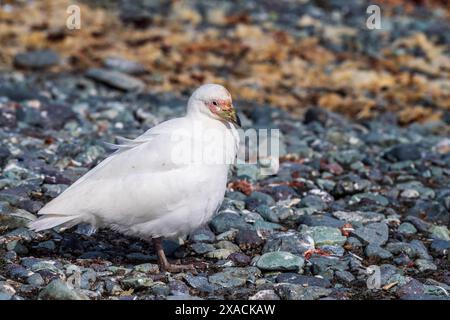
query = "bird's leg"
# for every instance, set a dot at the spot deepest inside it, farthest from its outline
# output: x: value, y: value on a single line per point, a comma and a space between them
x: 166, y: 265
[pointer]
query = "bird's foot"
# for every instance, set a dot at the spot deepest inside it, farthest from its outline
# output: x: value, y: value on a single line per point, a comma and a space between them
x: 176, y: 268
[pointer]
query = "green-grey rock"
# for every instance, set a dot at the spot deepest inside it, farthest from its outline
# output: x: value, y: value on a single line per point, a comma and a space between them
x: 440, y: 232
x: 280, y: 261
x: 407, y: 228
x: 323, y: 235
x: 59, y: 290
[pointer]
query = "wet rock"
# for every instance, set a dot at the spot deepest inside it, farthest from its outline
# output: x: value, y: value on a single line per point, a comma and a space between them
x: 440, y: 232
x: 248, y: 239
x: 124, y: 65
x: 202, y: 235
x: 425, y: 265
x: 412, y: 288
x: 375, y: 251
x: 321, y: 220
x: 265, y: 295
x: 344, y: 276
x: 59, y: 290
x: 286, y: 241
x: 147, y: 268
x: 407, y: 228
x: 374, y: 233
x: 280, y: 260
x: 303, y: 280
x: 39, y: 59
x: 403, y: 152
x: 324, y: 235
x: 257, y: 198
x: 234, y: 277
x: 17, y: 247
x: 440, y: 246
x: 201, y: 283
x: 115, y: 79
x: 358, y: 216
x: 289, y: 291
x: 323, y: 264
x: 225, y: 221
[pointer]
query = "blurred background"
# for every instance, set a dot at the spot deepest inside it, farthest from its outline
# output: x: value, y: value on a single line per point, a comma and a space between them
x: 289, y: 54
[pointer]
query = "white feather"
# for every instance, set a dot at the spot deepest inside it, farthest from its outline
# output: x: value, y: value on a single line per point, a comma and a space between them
x: 139, y: 189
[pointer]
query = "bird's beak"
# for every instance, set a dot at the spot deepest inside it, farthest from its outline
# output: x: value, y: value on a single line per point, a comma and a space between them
x: 229, y: 114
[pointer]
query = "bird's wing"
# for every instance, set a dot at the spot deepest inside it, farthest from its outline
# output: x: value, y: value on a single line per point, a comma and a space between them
x: 137, y: 180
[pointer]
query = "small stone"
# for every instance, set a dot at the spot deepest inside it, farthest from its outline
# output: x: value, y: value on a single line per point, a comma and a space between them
x: 324, y: 235
x: 265, y: 295
x: 112, y: 287
x: 303, y: 280
x: 147, y: 268
x: 372, y: 197
x: 403, y: 152
x: 425, y: 265
x: 220, y: 254
x: 47, y: 245
x: 412, y: 288
x: 289, y: 291
x: 320, y: 220
x: 375, y: 251
x: 39, y: 59
x: 201, y: 248
x: 240, y: 259
x: 234, y: 277
x: 440, y: 232
x: 123, y: 65
x: 248, y: 239
x: 178, y: 287
x: 440, y: 246
x: 267, y: 213
x: 410, y: 194
x: 358, y: 216
x: 200, y: 283
x: 17, y: 247
x: 202, y: 235
x: 59, y: 290
x: 226, y: 220
x: 287, y: 241
x: 115, y: 79
x: 407, y: 228
x: 35, y: 280
x: 279, y: 260
x: 344, y: 276
x: 137, y: 282
x: 374, y: 233
x: 323, y: 264
x: 258, y: 198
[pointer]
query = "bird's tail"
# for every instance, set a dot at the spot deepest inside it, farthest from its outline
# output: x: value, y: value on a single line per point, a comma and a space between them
x: 48, y: 221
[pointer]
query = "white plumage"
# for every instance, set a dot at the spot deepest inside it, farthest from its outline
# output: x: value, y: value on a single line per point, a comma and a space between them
x: 145, y: 188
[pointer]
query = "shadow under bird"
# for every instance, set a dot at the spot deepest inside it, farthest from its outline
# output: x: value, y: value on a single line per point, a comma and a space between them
x: 153, y: 187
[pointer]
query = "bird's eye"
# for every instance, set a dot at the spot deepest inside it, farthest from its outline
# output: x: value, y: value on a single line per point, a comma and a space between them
x: 215, y: 103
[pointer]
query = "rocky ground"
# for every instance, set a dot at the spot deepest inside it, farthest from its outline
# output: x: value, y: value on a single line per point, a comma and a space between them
x: 354, y: 196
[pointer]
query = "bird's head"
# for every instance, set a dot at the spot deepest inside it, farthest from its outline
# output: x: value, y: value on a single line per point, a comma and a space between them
x: 214, y: 101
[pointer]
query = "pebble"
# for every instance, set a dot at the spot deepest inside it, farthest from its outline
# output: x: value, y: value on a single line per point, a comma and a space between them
x: 39, y: 59
x: 375, y: 251
x: 373, y: 233
x: 289, y: 291
x: 279, y: 260
x: 407, y: 228
x: 115, y: 79
x: 59, y: 290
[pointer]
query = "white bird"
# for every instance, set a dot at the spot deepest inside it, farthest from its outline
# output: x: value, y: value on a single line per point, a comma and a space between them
x: 165, y: 183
